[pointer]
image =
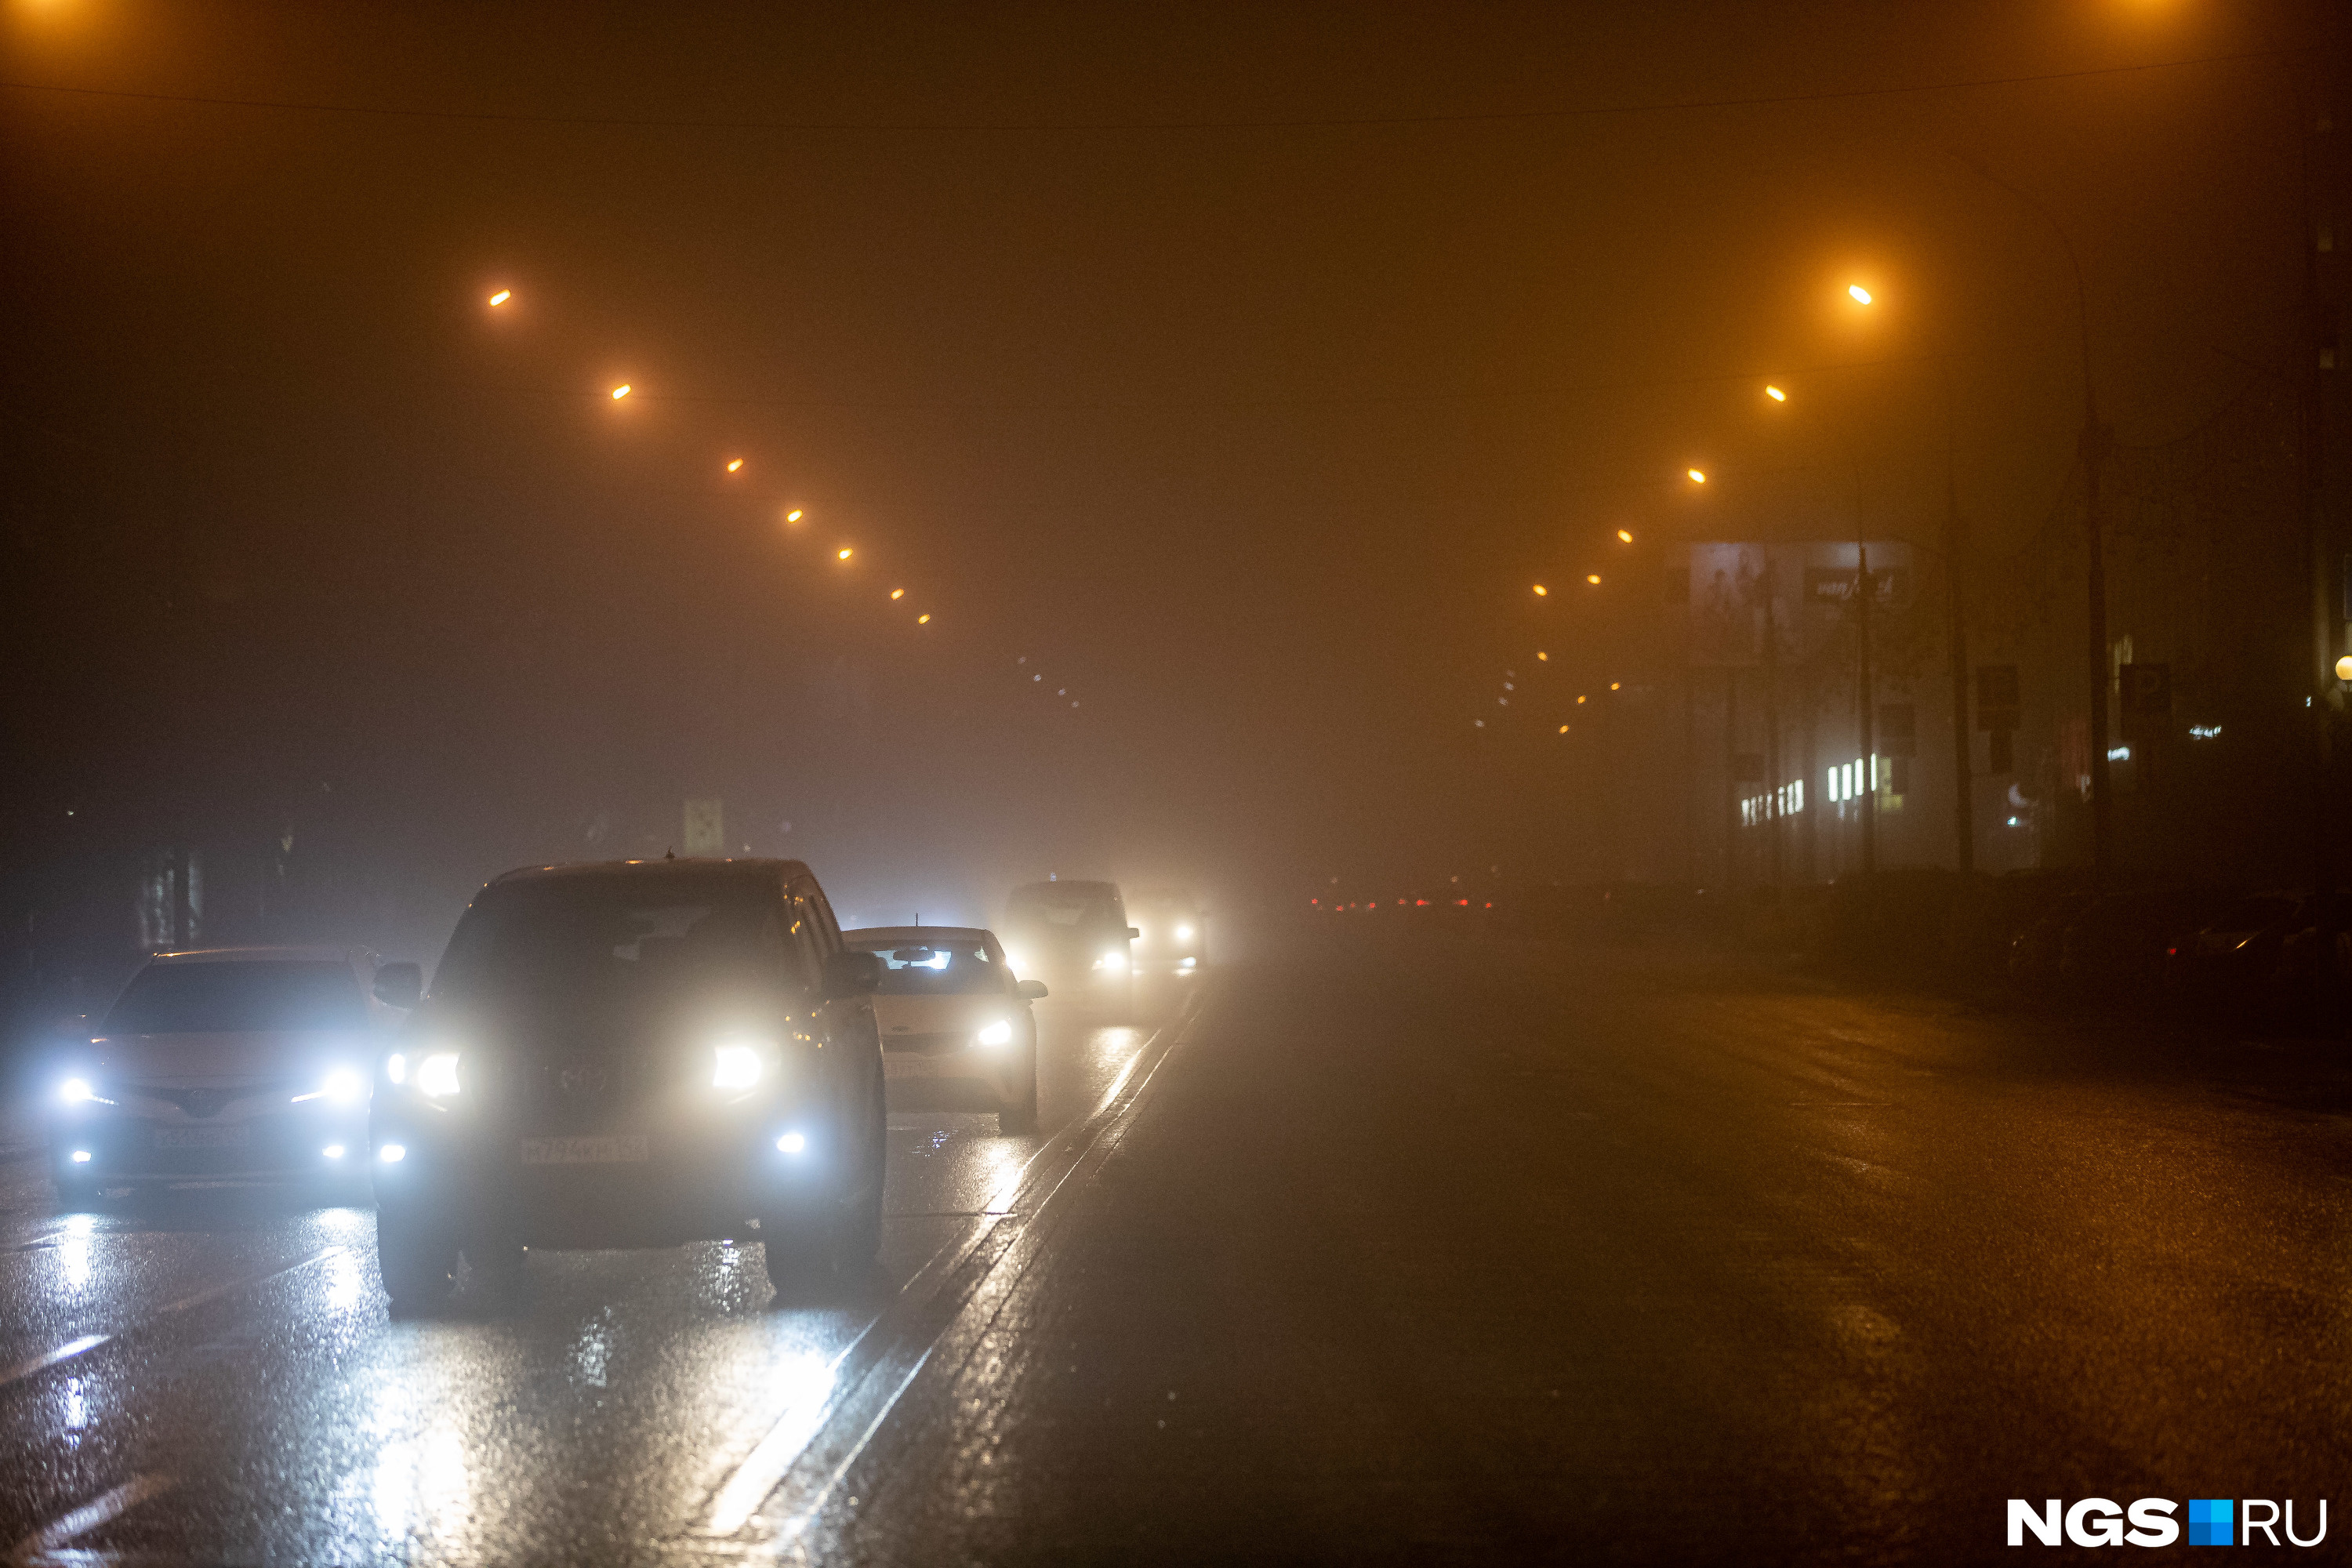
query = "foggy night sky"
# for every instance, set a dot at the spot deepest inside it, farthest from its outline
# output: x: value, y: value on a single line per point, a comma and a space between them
x: 1252, y: 433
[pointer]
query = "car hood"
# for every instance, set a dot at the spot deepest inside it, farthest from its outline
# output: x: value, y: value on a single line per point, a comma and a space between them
x: 240, y: 1058
x: 938, y: 1015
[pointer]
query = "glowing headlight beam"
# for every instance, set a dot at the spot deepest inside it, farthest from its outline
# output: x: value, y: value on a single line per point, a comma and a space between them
x: 1000, y: 1033
x: 737, y: 1066
x: 437, y: 1075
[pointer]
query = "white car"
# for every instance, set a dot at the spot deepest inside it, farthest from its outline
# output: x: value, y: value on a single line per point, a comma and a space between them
x: 956, y: 1028
x: 227, y: 1065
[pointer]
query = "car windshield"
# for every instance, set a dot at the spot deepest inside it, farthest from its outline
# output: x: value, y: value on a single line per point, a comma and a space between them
x: 1063, y: 904
x: 939, y: 969
x: 237, y: 997
x: 614, y: 940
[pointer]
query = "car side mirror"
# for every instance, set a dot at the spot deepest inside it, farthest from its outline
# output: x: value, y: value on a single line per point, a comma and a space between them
x: 1134, y: 932
x: 849, y: 975
x: 400, y: 985
x: 1030, y: 990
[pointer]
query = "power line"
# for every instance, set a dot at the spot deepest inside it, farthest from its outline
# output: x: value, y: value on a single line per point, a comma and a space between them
x: 967, y: 128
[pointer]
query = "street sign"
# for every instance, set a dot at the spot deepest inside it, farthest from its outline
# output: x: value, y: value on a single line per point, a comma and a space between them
x: 1898, y: 730
x: 706, y: 827
x: 1997, y: 706
x: 2147, y: 699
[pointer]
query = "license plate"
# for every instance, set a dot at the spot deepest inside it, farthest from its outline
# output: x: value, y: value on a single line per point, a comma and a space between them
x: 235, y: 1136
x: 587, y: 1148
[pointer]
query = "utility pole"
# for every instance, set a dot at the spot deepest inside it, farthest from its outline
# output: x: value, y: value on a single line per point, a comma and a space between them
x: 1772, y: 784
x: 1866, y: 590
x: 2094, y: 443
x: 1964, y: 814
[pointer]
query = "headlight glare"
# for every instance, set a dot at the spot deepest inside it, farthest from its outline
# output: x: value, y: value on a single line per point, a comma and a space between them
x: 738, y: 1067
x: 437, y: 1075
x: 74, y: 1090
x: 343, y: 1084
x: 1000, y: 1033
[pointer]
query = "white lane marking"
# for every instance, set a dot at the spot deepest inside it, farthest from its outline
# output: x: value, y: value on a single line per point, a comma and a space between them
x: 103, y: 1509
x: 73, y: 1348
x: 48, y: 1359
x: 752, y: 1484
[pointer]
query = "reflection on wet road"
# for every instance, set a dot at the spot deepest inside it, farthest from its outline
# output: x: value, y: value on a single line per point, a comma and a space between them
x: 213, y: 1374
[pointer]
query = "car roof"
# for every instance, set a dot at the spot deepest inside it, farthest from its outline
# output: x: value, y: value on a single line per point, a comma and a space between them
x: 786, y: 870
x: 314, y: 954
x: 918, y: 934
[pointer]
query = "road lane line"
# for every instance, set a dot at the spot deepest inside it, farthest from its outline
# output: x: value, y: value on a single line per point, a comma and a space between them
x: 38, y: 1547
x: 862, y: 1369
x: 48, y: 1359
x: 88, y: 1342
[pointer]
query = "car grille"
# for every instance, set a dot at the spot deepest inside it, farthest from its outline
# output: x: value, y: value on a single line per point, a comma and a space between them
x: 202, y: 1103
x: 928, y: 1045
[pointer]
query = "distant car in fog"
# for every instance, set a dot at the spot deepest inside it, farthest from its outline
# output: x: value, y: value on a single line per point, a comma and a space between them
x: 1073, y: 935
x: 1171, y: 931
x: 634, y: 1054
x: 955, y: 1020
x: 227, y: 1065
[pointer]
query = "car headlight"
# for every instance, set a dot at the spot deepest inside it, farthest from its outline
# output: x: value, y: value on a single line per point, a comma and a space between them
x: 1183, y: 933
x: 396, y: 1067
x: 75, y: 1090
x: 437, y: 1075
x: 738, y: 1067
x: 1114, y: 961
x: 1000, y: 1033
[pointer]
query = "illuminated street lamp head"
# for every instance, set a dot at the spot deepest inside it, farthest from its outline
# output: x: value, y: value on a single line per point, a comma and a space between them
x: 620, y: 392
x: 1594, y: 578
x: 501, y: 297
x: 1697, y: 477
x: 1615, y: 684
x: 1860, y: 295
x: 793, y: 515
x: 2343, y: 667
x: 925, y: 620
x: 734, y: 465
x: 1625, y: 536
x: 843, y: 554
x: 898, y: 593
x: 1580, y: 698
x: 1542, y: 657
x: 1776, y: 394
x: 1541, y: 590
x: 1563, y: 728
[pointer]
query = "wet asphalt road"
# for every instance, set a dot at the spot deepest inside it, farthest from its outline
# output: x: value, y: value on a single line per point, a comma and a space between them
x: 1383, y: 1250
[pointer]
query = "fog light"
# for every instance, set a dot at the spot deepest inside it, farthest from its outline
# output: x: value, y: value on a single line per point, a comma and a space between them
x: 1189, y: 963
x: 333, y: 1151
x: 791, y: 1143
x: 392, y: 1153
x: 81, y: 1156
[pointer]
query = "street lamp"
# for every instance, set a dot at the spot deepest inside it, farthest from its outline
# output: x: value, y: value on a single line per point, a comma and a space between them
x: 1625, y: 536
x: 1697, y: 477
x: 620, y: 392
x: 734, y: 465
x: 1776, y: 394
x: 1860, y: 295
x: 501, y: 297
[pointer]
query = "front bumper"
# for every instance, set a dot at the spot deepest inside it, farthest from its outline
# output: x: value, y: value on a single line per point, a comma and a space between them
x: 978, y: 1077
x: 290, y: 1145
x: 607, y: 1189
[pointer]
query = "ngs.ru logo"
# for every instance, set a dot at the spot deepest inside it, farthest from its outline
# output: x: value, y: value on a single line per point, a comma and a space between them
x: 2095, y: 1521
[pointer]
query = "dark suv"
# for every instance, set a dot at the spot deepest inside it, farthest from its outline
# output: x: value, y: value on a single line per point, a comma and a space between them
x: 636, y: 1054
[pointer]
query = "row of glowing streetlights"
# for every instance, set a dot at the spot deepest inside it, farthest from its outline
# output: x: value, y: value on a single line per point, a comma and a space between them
x: 1777, y: 394
x: 843, y: 554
